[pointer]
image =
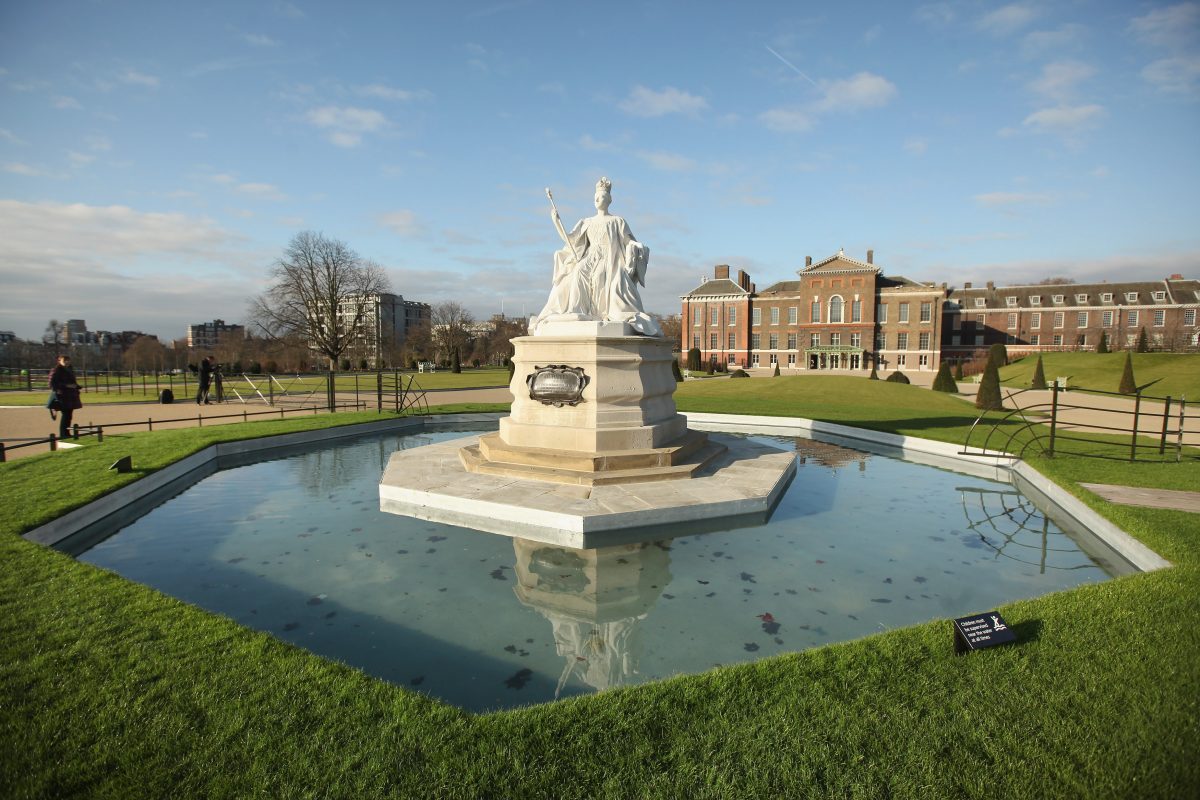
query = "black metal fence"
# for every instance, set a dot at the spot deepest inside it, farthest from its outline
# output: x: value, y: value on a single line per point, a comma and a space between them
x: 1141, y: 427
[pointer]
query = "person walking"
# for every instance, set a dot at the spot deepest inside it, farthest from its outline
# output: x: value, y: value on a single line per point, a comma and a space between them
x: 206, y: 372
x: 66, y: 394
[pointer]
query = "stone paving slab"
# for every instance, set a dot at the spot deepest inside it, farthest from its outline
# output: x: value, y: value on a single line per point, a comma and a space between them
x: 1150, y: 498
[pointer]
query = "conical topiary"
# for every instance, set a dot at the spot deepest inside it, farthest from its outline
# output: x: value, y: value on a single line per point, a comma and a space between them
x: 1128, y: 384
x: 456, y: 363
x: 943, y: 382
x: 989, y: 397
x: 998, y: 353
x: 693, y: 362
x: 1039, y: 376
x: 1143, y: 344
x: 776, y: 372
x: 1103, y: 346
x: 958, y: 371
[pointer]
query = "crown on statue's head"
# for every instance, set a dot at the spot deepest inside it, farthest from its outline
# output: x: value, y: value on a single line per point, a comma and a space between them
x: 605, y: 184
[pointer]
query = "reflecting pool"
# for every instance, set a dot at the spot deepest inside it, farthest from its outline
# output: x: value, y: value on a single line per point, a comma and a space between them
x: 859, y: 543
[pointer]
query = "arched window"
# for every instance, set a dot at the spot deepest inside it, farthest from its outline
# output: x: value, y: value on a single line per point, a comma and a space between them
x: 835, y: 308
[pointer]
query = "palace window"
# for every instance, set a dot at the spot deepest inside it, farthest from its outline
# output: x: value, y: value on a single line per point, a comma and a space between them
x: 926, y: 312
x: 924, y: 341
x: 1081, y: 299
x: 1081, y: 340
x: 835, y: 339
x: 856, y: 340
x: 791, y: 341
x: 881, y: 314
x: 814, y: 340
x: 696, y: 340
x: 1058, y: 319
x: 774, y: 341
x: 1106, y: 319
x: 901, y: 341
x: 756, y: 316
x: 732, y: 315
x: 1160, y: 296
x: 791, y: 359
x: 900, y: 359
x: 732, y: 342
x: 1035, y: 339
x: 1035, y: 319
x: 1058, y: 340
x: 903, y: 312
x: 775, y: 315
x: 815, y: 314
x: 793, y: 315
x: 696, y: 315
x: 923, y: 361
x: 1131, y: 297
x: 1189, y: 316
x: 980, y: 302
x: 1056, y: 298
x: 1081, y: 319
x: 1011, y: 302
x: 1106, y: 297
x: 1160, y: 318
x: 1035, y: 299
x: 856, y: 311
x: 835, y: 309
x: 712, y: 341
x: 755, y: 341
x: 1131, y: 318
x: 714, y: 316
x: 1012, y: 320
x: 880, y: 341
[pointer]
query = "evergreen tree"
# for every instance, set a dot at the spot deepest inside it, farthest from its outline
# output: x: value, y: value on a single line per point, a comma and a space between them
x: 1143, y: 344
x: 999, y: 354
x: 675, y: 370
x: 1103, y: 346
x: 1128, y: 384
x: 898, y: 377
x: 958, y: 371
x: 989, y: 397
x: 456, y: 362
x: 943, y: 382
x: 1039, y: 376
x: 693, y: 362
x: 776, y: 372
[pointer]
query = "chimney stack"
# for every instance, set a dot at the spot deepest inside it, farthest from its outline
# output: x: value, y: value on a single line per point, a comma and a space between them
x: 722, y: 271
x: 967, y: 285
x: 870, y: 256
x: 1175, y: 277
x: 991, y: 285
x: 808, y: 261
x: 743, y: 280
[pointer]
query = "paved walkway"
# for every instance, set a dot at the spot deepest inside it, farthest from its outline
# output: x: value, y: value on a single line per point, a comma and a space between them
x: 1150, y: 498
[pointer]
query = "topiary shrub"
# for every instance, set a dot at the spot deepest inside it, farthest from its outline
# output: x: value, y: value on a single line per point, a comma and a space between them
x: 1143, y: 344
x: 999, y: 354
x: 739, y: 373
x: 1128, y: 384
x: 345, y: 365
x: 678, y: 375
x: 898, y: 377
x: 1103, y: 346
x: 456, y: 362
x: 776, y: 372
x: 693, y: 361
x: 943, y: 382
x: 989, y: 397
x: 364, y: 364
x: 958, y: 370
x: 1039, y: 376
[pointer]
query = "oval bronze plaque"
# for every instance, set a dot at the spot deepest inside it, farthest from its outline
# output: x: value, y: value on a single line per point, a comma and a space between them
x: 557, y: 385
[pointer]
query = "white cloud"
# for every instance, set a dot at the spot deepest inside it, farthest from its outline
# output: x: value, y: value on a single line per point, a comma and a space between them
x: 18, y: 168
x: 936, y: 14
x: 1058, y: 80
x: 266, y: 191
x: 1064, y: 119
x: 787, y: 120
x: 872, y: 34
x: 643, y: 102
x: 259, y: 40
x: 80, y: 159
x: 1178, y: 75
x: 1061, y: 39
x: 1100, y: 172
x: 66, y: 103
x: 223, y: 178
x: 863, y: 90
x: 133, y: 77
x: 1007, y: 19
x: 1137, y: 266
x: 87, y: 240
x: 916, y: 145
x: 346, y: 125
x: 667, y: 162
x: 1006, y: 199
x: 98, y: 143
x: 1174, y: 27
x: 588, y: 142
x: 10, y: 137
x: 556, y: 88
x: 403, y: 222
x: 385, y: 92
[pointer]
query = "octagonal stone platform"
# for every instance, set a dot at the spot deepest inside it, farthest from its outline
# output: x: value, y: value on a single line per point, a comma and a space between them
x: 739, y: 487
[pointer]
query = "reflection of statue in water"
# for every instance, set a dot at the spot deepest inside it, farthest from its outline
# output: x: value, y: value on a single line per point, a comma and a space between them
x: 594, y: 599
x: 597, y: 274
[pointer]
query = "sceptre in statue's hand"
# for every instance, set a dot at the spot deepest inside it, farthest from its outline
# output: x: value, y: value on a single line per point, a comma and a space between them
x: 557, y: 220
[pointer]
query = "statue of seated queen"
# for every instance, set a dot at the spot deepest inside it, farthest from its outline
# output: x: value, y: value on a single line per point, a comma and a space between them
x: 597, y: 273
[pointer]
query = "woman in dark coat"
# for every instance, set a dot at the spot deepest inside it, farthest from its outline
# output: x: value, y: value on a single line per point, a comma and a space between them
x: 66, y: 394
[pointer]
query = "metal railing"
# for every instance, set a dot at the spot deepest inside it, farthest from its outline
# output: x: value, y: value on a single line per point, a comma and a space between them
x: 1117, y: 433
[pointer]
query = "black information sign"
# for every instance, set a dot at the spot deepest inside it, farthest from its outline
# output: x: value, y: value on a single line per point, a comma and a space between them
x: 981, y: 631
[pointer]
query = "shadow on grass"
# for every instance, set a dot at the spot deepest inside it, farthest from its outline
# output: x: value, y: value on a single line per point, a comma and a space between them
x: 1028, y: 631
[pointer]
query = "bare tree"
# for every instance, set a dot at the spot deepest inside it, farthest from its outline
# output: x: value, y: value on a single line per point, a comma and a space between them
x: 145, y: 354
x: 322, y: 291
x: 672, y: 329
x: 55, y: 334
x: 452, y: 328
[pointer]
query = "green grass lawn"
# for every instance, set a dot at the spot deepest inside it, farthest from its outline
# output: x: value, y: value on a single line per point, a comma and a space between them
x: 111, y: 689
x: 1173, y: 374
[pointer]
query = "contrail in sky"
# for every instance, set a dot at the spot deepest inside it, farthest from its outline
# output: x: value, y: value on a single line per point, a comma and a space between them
x: 790, y: 64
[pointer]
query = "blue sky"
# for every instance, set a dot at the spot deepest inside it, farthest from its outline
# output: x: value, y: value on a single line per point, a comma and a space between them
x: 156, y: 157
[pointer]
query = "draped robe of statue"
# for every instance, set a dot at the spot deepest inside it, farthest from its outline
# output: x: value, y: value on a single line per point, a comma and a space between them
x: 603, y: 284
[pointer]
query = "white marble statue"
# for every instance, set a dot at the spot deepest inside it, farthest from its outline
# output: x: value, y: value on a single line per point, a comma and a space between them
x: 597, y: 274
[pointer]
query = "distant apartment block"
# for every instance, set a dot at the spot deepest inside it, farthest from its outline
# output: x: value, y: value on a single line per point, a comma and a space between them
x: 207, y: 335
x: 387, y: 321
x: 845, y: 314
